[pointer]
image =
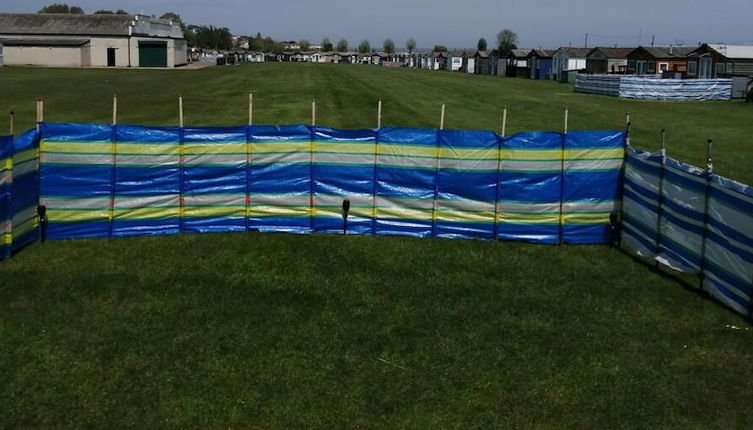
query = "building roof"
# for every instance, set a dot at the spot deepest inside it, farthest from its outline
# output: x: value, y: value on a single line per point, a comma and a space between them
x: 618, y: 53
x: 61, y: 24
x: 43, y: 42
x: 575, y: 52
x: 733, y: 51
x: 518, y: 53
x: 482, y: 54
x: 542, y: 53
x: 667, y: 51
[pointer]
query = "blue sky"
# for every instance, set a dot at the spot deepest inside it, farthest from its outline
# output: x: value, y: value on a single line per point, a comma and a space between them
x: 456, y: 23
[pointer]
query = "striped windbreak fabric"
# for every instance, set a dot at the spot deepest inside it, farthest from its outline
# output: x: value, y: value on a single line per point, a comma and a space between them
x: 19, y: 194
x: 111, y: 181
x: 692, y: 221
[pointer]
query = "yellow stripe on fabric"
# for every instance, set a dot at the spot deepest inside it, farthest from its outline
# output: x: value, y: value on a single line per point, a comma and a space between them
x: 214, y: 211
x: 146, y: 213
x: 103, y: 147
x: 270, y: 210
x: 454, y: 215
x: 26, y: 226
x: 531, y: 154
x: 196, y: 148
x: 332, y: 212
x: 6, y: 164
x: 586, y: 218
x: 7, y: 239
x: 404, y: 213
x: 148, y: 149
x: 55, y: 215
x: 592, y: 154
x: 408, y: 150
x: 280, y: 147
x: 514, y: 217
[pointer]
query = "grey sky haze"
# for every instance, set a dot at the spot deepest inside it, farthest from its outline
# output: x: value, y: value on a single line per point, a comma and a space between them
x: 454, y: 23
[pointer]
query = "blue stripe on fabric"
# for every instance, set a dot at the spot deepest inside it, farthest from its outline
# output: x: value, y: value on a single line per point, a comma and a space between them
x: 55, y: 132
x: 730, y: 199
x: 731, y: 233
x: 669, y: 216
x: 411, y: 228
x: 412, y: 136
x: 81, y: 229
x: 586, y: 234
x: 143, y: 134
x: 464, y: 139
x: 641, y: 190
x: 680, y: 253
x: 283, y: 133
x: 743, y: 285
x: 533, y: 140
x: 635, y: 198
x: 214, y: 134
x: 595, y: 139
x: 298, y: 225
x: 592, y: 186
x: 75, y: 181
x: 214, y: 180
x: 534, y: 233
x: 214, y: 224
x: 26, y: 140
x: 633, y: 232
x: 530, y: 187
x: 464, y: 230
x: 145, y: 227
x: 334, y: 225
x: 150, y: 181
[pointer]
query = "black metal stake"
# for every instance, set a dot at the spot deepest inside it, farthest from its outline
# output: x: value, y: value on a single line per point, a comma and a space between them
x: 42, y: 212
x: 346, y: 209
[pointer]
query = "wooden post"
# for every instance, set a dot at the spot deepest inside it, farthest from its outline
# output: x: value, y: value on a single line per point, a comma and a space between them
x: 663, y: 143
x: 504, y: 121
x: 627, y: 119
x: 313, y: 113
x: 12, y: 122
x: 567, y: 119
x: 180, y: 110
x: 441, y: 118
x: 40, y: 113
x: 250, y: 108
x: 706, y: 217
x: 379, y: 114
x: 115, y: 109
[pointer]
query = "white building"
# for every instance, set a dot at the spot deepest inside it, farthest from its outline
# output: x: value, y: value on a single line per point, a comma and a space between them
x: 63, y: 40
x: 568, y: 59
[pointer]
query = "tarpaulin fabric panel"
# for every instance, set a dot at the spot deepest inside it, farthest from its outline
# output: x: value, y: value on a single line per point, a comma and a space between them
x: 466, y: 184
x: 25, y: 189
x: 6, y: 181
x: 593, y: 168
x: 76, y: 179
x: 530, y: 187
x: 406, y: 181
x: 344, y: 163
x: 682, y: 222
x: 147, y: 175
x: 639, y: 87
x: 728, y: 265
x: 214, y: 179
x: 280, y: 183
x: 640, y: 204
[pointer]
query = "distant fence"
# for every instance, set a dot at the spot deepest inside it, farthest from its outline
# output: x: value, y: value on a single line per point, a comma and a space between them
x: 693, y: 221
x: 651, y: 88
x: 114, y: 181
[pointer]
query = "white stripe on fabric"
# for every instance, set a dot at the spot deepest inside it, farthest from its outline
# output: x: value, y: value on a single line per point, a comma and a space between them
x: 523, y: 207
x: 695, y: 176
x: 76, y: 202
x: 214, y: 199
x: 24, y: 215
x: 531, y: 166
x: 357, y: 159
x: 605, y: 164
x: 170, y: 160
x: 604, y: 206
x: 687, y: 219
x: 718, y: 295
x: 471, y: 165
x: 286, y: 199
x: 462, y: 204
x: 25, y: 167
x: 215, y: 159
x: 282, y: 158
x: 410, y: 203
x: 132, y: 202
x: 729, y: 261
x: 727, y: 285
x: 636, y: 245
x: 337, y: 200
x: 406, y: 161
x: 83, y: 159
x: 648, y: 181
x: 733, y: 194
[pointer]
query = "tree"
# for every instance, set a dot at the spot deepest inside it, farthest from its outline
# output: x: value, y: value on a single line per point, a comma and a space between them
x: 61, y: 8
x: 507, y: 40
x: 171, y: 16
x: 326, y: 45
x: 440, y: 48
x: 305, y: 45
x: 410, y: 45
x: 342, y: 45
x: 109, y: 12
x: 389, y: 46
x: 364, y: 47
x: 481, y: 45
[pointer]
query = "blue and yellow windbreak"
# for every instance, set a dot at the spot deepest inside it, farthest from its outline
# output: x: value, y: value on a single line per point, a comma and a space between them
x: 105, y: 181
x: 19, y: 191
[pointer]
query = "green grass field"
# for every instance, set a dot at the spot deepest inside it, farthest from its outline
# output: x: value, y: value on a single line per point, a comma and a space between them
x: 270, y: 331
x: 347, y: 97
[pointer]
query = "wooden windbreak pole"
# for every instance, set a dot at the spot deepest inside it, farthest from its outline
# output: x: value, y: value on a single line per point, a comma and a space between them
x: 180, y: 110
x: 567, y: 119
x: 627, y: 119
x: 706, y: 216
x: 313, y: 113
x: 114, y: 109
x: 504, y: 121
x: 379, y: 114
x: 40, y: 111
x: 250, y: 108
x: 12, y: 122
x: 441, y: 118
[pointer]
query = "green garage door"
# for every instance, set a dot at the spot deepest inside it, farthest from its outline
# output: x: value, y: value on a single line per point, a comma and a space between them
x: 152, y: 54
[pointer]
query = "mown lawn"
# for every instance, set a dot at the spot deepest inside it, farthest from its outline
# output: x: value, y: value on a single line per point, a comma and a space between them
x: 347, y: 97
x: 257, y: 330
x: 252, y: 330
